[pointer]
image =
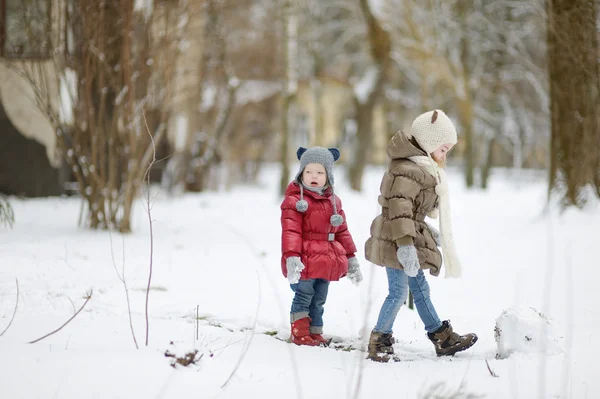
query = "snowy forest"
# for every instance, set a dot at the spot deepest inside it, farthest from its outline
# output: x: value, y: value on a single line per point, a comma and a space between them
x: 156, y: 139
x: 182, y: 91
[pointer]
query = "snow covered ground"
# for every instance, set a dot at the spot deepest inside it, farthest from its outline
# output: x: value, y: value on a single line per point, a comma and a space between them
x: 216, y: 255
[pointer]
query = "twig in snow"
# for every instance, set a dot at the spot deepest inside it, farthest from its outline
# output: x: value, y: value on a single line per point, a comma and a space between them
x: 124, y: 281
x: 72, y: 304
x: 492, y: 373
x: 260, y: 258
x: 15, y: 311
x: 249, y: 341
x: 87, y: 299
x: 365, y: 335
x: 147, y: 178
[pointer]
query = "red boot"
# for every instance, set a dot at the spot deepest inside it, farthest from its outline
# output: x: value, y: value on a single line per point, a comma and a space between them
x: 319, y: 338
x: 300, y: 334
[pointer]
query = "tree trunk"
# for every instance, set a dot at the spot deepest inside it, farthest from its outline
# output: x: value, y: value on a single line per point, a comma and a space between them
x: 317, y: 98
x: 500, y: 61
x: 487, y: 166
x: 466, y: 102
x: 380, y: 47
x: 466, y: 120
x: 105, y: 141
x: 362, y: 145
x: 285, y: 145
x: 290, y: 32
x: 574, y: 98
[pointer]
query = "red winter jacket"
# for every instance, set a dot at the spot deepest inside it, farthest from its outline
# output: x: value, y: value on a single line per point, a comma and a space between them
x: 305, y: 234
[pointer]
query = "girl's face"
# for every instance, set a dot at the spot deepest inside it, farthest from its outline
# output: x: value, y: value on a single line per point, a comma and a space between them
x: 314, y: 175
x: 440, y: 154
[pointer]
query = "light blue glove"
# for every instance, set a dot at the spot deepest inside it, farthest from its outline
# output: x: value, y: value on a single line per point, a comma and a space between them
x: 407, y: 256
x: 294, y: 268
x: 354, y: 274
x: 435, y: 234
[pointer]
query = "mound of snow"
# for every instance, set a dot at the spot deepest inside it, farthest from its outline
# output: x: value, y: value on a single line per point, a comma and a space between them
x: 524, y: 330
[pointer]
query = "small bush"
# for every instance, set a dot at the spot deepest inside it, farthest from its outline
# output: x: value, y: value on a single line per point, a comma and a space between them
x: 7, y: 216
x: 185, y: 360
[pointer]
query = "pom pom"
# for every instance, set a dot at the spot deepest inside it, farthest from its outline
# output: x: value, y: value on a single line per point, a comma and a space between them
x: 336, y: 220
x: 301, y: 205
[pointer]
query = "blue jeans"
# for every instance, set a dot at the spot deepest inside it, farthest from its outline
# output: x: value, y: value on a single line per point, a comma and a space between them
x: 309, y: 301
x: 399, y: 283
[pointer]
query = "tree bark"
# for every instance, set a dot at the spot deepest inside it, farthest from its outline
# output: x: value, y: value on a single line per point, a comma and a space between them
x: 574, y: 98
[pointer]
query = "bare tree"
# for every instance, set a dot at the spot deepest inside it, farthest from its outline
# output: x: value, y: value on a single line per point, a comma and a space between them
x: 290, y: 85
x: 219, y: 72
x: 101, y: 62
x: 369, y: 91
x: 499, y: 60
x: 511, y: 105
x: 481, y: 62
x: 314, y: 34
x: 465, y: 104
x: 211, y: 102
x: 575, y: 98
x: 432, y: 39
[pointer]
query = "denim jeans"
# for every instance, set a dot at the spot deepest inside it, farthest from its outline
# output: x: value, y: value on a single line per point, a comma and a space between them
x: 399, y: 283
x: 309, y: 301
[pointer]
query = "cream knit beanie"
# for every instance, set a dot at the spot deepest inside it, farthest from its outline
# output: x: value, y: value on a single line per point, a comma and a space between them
x: 432, y: 129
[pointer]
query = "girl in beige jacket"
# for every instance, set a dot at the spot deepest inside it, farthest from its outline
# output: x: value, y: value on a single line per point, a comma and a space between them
x: 415, y: 186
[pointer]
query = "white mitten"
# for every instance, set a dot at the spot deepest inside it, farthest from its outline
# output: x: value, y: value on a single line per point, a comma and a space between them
x: 354, y: 274
x: 294, y: 268
x: 407, y: 256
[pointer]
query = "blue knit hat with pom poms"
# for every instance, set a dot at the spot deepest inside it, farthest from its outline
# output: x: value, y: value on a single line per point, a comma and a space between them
x: 326, y: 157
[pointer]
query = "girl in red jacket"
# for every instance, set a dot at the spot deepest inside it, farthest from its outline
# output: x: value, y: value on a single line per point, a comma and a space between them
x: 316, y: 245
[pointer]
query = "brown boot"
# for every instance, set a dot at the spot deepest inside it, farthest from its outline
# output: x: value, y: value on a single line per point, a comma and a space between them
x: 447, y: 342
x: 380, y: 346
x: 300, y: 333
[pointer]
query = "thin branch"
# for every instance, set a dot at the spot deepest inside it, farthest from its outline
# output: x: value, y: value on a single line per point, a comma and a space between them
x: 492, y: 373
x: 364, y: 335
x: 15, y: 311
x: 124, y: 281
x: 147, y: 178
x: 87, y: 299
x: 72, y: 304
x: 244, y: 239
x: 249, y: 341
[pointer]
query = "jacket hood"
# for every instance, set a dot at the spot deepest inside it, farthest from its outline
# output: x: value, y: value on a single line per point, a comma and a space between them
x: 401, y: 146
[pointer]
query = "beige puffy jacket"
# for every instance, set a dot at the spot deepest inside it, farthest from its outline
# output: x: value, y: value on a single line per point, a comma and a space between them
x: 407, y: 195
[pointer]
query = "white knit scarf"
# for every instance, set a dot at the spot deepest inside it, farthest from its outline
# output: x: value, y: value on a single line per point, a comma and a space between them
x: 451, y: 261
